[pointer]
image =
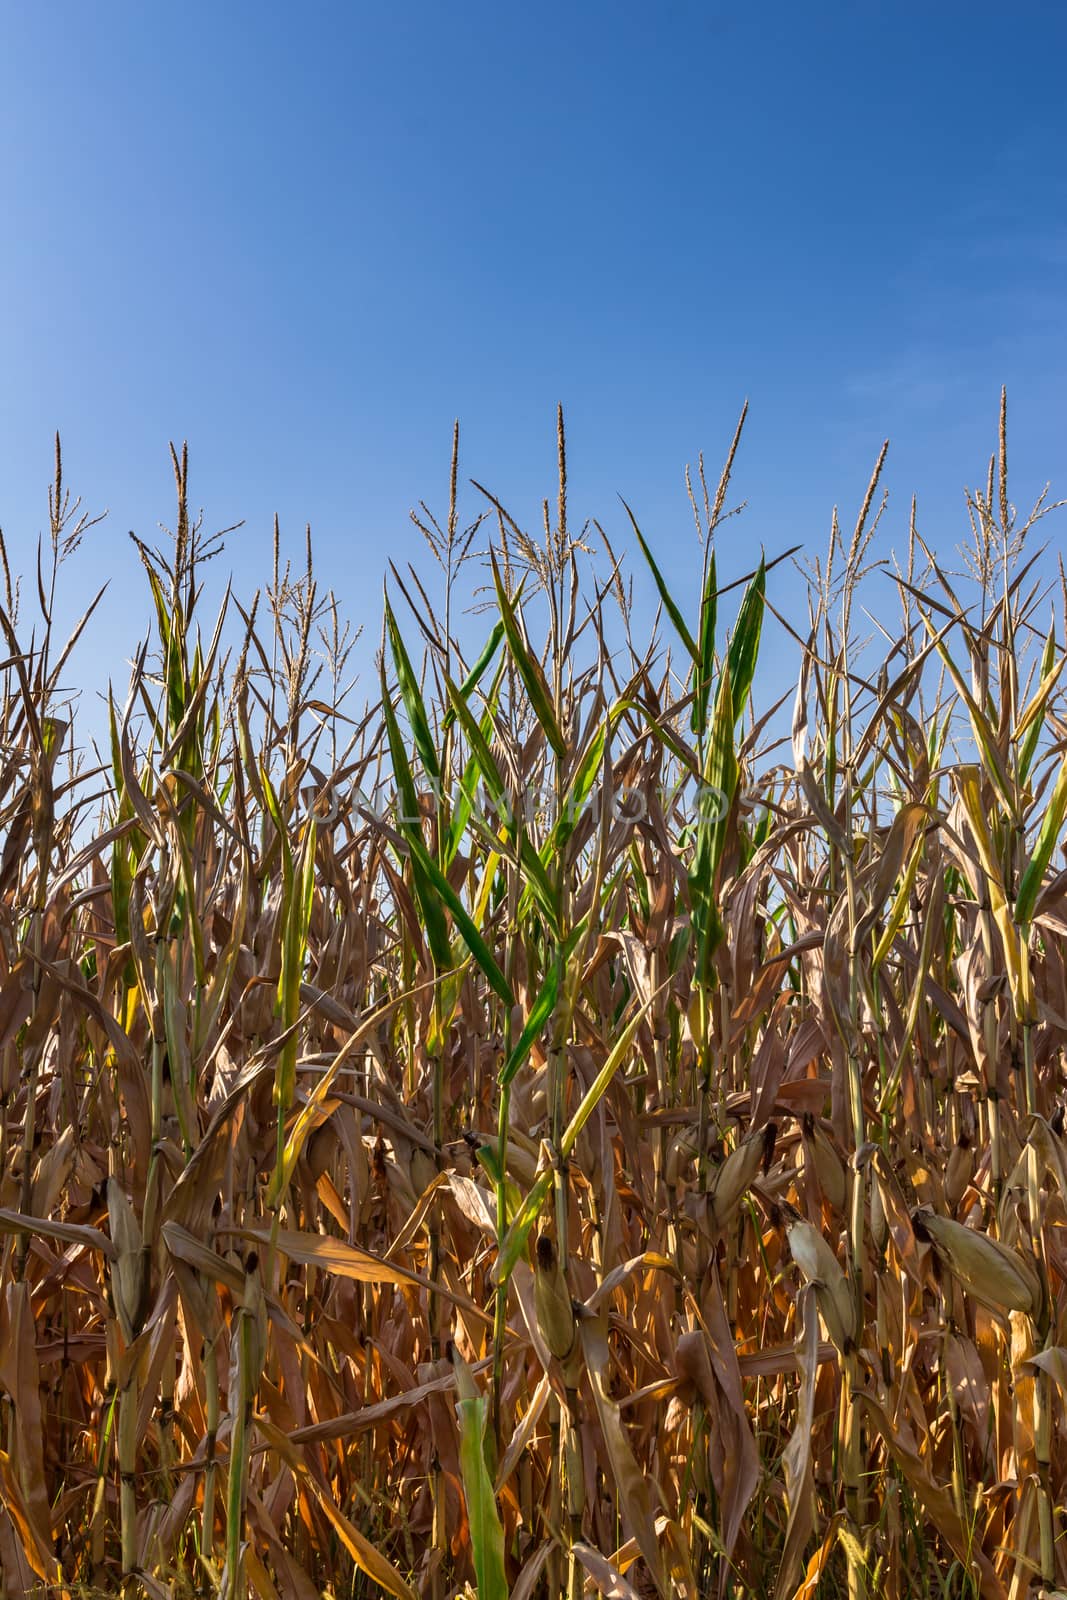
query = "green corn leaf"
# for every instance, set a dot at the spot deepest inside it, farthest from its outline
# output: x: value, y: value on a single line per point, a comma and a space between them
x: 639, y: 883
x: 116, y: 756
x: 1051, y: 825
x: 434, y: 924
x: 275, y: 812
x: 679, y: 949
x: 473, y: 772
x: 412, y: 697
x: 162, y: 605
x: 514, y: 1241
x: 529, y: 668
x: 578, y: 792
x: 702, y: 674
x: 538, y: 881
x: 477, y: 672
x: 442, y: 1015
x: 744, y: 645
x: 172, y: 640
x: 405, y: 783
x: 543, y: 1007
x: 968, y: 779
x: 432, y: 887
x: 720, y: 786
x: 296, y: 917
x: 424, y: 864
x: 489, y: 1160
x: 188, y: 877
x: 307, y: 882
x: 538, y: 888
x: 720, y: 763
x: 285, y: 1068
x: 478, y: 742
x: 462, y: 806
x: 665, y: 594
x: 1028, y: 733
x: 483, y: 1515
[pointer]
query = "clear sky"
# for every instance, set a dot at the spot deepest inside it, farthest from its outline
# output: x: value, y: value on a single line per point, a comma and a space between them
x: 307, y: 236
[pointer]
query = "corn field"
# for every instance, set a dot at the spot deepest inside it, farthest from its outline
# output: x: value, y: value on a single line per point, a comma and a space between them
x: 557, y: 1131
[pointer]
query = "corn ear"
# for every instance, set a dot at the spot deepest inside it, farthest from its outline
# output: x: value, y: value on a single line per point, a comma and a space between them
x: 731, y: 1181
x: 999, y: 1278
x: 555, y: 1314
x: 820, y: 1267
x: 128, y: 1270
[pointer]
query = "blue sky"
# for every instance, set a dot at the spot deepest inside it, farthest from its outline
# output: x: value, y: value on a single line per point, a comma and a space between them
x: 308, y: 237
